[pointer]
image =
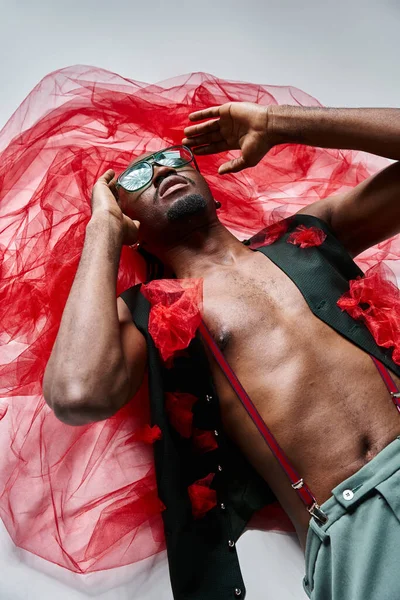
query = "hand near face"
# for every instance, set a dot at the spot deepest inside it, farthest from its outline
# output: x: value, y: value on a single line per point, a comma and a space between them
x: 234, y: 126
x: 104, y: 202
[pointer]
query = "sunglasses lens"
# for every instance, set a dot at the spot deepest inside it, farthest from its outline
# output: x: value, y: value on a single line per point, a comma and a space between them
x: 136, y: 177
x: 139, y: 175
x: 174, y: 157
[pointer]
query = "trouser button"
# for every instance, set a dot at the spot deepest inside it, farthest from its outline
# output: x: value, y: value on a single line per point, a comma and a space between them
x: 348, y: 494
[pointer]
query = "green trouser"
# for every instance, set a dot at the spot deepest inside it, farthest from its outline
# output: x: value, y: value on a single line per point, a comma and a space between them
x: 356, y: 554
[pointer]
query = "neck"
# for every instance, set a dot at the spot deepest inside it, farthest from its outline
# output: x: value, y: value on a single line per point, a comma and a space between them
x: 205, y: 250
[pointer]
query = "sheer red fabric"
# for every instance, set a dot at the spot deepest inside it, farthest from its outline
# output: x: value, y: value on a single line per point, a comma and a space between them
x: 375, y: 300
x: 306, y: 237
x: 277, y: 225
x: 175, y: 314
x: 84, y: 497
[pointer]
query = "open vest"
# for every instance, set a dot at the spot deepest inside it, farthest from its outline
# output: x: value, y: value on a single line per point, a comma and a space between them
x: 202, y: 554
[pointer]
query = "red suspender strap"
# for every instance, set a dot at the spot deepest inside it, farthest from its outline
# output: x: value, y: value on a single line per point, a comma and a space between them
x: 390, y: 384
x: 297, y: 482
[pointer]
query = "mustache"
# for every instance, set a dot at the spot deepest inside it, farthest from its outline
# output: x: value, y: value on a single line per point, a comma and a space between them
x: 156, y: 195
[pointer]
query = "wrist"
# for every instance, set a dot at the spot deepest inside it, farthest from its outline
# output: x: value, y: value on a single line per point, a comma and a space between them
x: 300, y: 124
x: 292, y: 124
x: 281, y: 128
x: 104, y: 221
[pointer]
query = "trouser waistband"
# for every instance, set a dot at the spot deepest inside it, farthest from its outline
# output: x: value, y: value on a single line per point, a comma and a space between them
x: 355, y: 488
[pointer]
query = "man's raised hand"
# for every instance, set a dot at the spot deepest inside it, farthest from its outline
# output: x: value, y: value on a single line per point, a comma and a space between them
x: 234, y: 126
x: 105, y: 202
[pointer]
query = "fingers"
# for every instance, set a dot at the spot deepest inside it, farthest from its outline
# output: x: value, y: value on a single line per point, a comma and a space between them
x: 201, y: 140
x: 211, y: 148
x: 207, y: 127
x: 131, y: 231
x: 106, y: 177
x: 206, y: 113
x: 113, y: 189
x: 104, y: 194
x: 233, y: 166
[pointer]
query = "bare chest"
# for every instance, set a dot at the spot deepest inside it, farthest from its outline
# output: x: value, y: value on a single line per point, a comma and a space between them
x: 259, y: 318
x: 319, y: 393
x: 268, y: 334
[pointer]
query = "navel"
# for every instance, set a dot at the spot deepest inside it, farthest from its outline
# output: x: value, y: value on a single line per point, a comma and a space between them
x: 367, y: 448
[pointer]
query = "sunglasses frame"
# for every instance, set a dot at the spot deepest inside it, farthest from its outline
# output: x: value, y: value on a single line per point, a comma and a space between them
x: 152, y: 163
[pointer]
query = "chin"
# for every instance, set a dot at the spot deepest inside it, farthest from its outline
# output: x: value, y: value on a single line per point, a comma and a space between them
x: 187, y: 206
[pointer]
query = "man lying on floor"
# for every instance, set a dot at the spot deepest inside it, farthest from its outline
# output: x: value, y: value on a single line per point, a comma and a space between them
x: 289, y: 380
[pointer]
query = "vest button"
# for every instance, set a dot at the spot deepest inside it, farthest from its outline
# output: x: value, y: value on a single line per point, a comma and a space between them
x: 216, y: 433
x: 231, y: 544
x: 222, y: 506
x: 238, y: 592
x: 208, y: 398
x: 219, y: 468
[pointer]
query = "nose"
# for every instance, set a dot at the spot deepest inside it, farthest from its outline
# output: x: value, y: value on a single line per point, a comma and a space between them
x: 160, y: 173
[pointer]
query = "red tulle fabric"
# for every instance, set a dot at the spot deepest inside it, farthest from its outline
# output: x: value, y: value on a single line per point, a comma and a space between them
x: 77, y: 496
x: 147, y: 434
x: 202, y: 497
x: 175, y: 313
x: 179, y: 407
x: 375, y: 300
x: 277, y: 225
x: 306, y: 237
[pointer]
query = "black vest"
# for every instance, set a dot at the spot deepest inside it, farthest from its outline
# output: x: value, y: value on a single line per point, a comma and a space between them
x: 202, y: 556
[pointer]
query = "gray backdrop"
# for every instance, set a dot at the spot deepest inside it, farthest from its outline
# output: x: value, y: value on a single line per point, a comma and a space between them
x: 345, y: 53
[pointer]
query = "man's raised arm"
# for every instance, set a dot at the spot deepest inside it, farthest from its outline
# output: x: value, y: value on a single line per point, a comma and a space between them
x: 255, y: 129
x: 374, y: 130
x: 361, y: 217
x: 89, y: 376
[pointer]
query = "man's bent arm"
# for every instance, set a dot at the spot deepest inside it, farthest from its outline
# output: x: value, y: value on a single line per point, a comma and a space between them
x: 86, y: 370
x: 374, y: 130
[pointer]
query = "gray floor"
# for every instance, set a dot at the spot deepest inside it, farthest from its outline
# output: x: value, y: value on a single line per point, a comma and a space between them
x: 272, y: 567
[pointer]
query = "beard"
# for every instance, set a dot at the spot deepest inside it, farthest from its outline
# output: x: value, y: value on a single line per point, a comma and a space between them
x: 186, y: 206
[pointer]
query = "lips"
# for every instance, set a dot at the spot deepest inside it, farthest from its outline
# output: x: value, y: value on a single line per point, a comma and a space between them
x: 173, y: 181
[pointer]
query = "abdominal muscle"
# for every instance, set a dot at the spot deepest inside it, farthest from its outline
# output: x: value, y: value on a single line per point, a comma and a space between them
x: 320, y: 395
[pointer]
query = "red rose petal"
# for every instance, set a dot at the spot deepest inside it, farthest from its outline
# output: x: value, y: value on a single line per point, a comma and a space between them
x: 147, y: 434
x: 204, y: 441
x: 175, y: 314
x: 202, y: 497
x: 306, y: 237
x: 375, y: 300
x: 179, y: 408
